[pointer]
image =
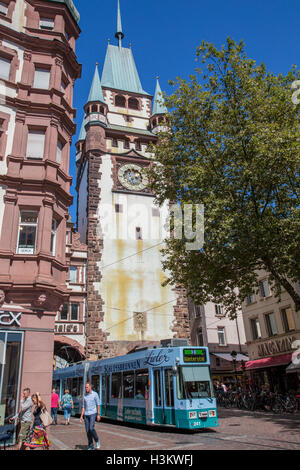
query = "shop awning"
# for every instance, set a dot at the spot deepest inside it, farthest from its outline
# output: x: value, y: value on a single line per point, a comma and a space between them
x: 269, y: 362
x: 228, y: 357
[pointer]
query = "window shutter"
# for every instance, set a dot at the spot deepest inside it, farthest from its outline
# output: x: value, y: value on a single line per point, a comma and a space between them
x: 3, y: 8
x: 35, y: 144
x: 4, y: 68
x: 42, y: 79
x: 46, y: 23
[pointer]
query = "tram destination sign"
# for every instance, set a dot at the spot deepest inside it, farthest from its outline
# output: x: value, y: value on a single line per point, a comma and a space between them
x: 194, y: 355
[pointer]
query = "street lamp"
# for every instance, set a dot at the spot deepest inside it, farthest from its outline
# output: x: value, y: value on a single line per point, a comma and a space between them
x: 234, y: 356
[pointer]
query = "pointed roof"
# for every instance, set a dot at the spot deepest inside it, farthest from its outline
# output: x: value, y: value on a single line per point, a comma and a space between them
x: 96, y: 93
x: 159, y: 106
x: 82, y: 133
x: 120, y: 72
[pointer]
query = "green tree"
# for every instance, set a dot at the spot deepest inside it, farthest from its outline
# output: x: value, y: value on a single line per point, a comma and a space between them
x: 233, y: 144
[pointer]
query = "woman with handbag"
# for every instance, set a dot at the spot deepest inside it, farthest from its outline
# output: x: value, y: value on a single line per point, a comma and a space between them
x: 38, y: 437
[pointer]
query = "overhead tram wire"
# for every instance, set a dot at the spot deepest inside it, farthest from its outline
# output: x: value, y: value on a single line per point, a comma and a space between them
x: 131, y: 256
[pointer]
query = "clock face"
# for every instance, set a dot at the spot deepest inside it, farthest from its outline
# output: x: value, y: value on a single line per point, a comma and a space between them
x: 131, y: 177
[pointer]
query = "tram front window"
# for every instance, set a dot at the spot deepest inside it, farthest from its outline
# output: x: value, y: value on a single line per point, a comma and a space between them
x: 194, y: 382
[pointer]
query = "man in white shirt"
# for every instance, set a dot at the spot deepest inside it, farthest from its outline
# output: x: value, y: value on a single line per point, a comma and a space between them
x: 90, y: 412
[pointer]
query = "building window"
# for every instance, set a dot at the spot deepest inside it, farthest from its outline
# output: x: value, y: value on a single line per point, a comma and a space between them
x: 271, y: 324
x: 138, y: 232
x: 47, y: 23
x: 133, y: 104
x: 115, y: 143
x: 255, y: 326
x: 199, y: 311
x: 138, y: 146
x: 222, y: 336
x: 154, y: 123
x: 126, y: 144
x: 27, y: 232
x: 73, y: 275
x: 35, y: 144
x: 200, y: 337
x: 64, y: 313
x: 41, y: 79
x: 53, y: 237
x: 4, y: 68
x: 74, y: 312
x: 287, y: 319
x: 250, y: 299
x: 11, y: 345
x: 3, y: 9
x: 219, y: 310
x: 120, y: 101
x: 63, y: 86
x: 119, y: 208
x: 59, y: 150
x: 264, y: 289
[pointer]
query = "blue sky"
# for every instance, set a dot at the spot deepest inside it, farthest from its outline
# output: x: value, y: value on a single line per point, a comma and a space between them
x: 165, y: 34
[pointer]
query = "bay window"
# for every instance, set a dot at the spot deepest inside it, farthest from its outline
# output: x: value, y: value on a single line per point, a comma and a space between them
x: 3, y: 8
x: 54, y: 228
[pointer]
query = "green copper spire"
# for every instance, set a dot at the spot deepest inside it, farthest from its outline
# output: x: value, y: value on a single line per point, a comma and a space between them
x: 159, y: 106
x: 119, y: 34
x: 96, y: 93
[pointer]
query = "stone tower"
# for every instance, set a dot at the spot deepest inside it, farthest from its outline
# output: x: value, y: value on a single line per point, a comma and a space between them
x: 117, y: 216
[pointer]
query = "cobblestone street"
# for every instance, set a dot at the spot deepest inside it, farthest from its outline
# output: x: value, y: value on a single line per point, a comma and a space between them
x: 238, y: 430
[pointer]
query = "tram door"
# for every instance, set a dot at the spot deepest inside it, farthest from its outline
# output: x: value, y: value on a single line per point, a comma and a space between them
x: 105, y: 394
x: 164, y: 396
x: 169, y: 397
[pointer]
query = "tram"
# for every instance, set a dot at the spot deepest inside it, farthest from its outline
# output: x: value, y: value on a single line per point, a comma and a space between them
x: 166, y: 386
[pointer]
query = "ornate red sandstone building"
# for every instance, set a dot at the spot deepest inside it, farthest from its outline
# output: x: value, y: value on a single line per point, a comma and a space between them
x: 38, y: 68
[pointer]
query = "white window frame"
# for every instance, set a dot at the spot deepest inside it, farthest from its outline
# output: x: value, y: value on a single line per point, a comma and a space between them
x: 59, y: 150
x: 73, y: 269
x: 4, y: 75
x: 78, y: 311
x: 41, y: 78
x: 54, y: 229
x: 30, y: 153
x: 27, y: 251
x: 221, y: 330
x: 263, y: 288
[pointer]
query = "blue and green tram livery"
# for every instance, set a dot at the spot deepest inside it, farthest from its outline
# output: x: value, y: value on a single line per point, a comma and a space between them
x: 164, y: 386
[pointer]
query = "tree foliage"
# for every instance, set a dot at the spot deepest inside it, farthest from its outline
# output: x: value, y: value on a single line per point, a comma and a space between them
x: 233, y: 144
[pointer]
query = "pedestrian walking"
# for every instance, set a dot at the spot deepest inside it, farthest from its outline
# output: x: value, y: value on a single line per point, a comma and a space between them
x: 24, y: 418
x: 38, y: 437
x: 90, y: 413
x: 67, y: 405
x: 54, y: 406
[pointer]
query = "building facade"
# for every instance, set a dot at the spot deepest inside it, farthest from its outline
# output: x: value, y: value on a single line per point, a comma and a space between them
x: 211, y: 328
x: 117, y: 217
x: 70, y: 320
x: 272, y: 328
x: 38, y: 68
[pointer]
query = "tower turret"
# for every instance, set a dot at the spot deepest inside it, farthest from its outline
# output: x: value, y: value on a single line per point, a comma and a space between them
x: 159, y: 111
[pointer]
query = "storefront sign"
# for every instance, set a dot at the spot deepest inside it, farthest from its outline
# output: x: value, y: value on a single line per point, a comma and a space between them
x: 276, y: 346
x: 2, y: 414
x: 10, y: 318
